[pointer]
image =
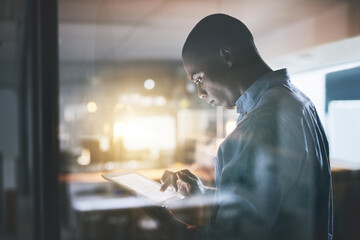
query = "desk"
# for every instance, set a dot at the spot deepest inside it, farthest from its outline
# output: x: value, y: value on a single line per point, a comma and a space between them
x: 346, y: 191
x: 90, y: 210
x: 206, y: 174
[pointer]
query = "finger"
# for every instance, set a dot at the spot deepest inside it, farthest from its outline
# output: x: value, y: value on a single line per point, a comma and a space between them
x: 187, y: 172
x: 184, y: 188
x: 166, y: 175
x: 178, y: 184
x: 185, y: 178
x: 173, y: 179
x: 165, y: 185
x: 170, y: 181
x: 187, y: 189
x: 191, y: 185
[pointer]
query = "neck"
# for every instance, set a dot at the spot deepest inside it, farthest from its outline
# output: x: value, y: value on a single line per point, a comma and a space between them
x: 250, y: 73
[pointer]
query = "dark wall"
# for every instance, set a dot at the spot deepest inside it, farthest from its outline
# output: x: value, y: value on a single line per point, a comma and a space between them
x: 342, y: 85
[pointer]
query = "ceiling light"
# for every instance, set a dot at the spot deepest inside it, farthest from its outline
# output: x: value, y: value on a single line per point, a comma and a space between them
x: 91, y: 107
x: 149, y: 84
x: 160, y: 101
x: 85, y: 157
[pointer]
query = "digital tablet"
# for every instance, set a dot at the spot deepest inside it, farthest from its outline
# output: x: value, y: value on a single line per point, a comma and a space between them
x: 143, y: 186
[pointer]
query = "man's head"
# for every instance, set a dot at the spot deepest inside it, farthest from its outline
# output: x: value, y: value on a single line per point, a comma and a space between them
x: 217, y: 56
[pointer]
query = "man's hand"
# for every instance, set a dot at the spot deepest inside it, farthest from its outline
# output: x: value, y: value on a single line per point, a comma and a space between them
x: 168, y: 179
x: 183, y: 182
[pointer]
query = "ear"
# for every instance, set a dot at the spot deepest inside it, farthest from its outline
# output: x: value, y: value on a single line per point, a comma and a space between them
x: 227, y: 56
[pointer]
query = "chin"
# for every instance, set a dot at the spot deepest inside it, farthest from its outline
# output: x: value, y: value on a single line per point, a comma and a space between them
x: 230, y: 107
x: 224, y: 105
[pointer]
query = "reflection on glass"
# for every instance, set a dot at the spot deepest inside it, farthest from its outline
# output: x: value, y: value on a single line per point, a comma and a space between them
x: 344, y: 130
x: 85, y: 157
x: 91, y: 107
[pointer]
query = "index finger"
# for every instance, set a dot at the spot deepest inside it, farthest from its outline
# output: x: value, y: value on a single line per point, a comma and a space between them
x: 166, y: 176
x: 165, y: 185
x: 187, y: 172
x: 168, y: 179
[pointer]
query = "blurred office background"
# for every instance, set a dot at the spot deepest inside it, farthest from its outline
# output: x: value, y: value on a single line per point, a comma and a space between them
x: 94, y: 86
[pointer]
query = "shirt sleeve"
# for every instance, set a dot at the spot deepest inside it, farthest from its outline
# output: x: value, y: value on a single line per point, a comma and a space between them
x: 254, y: 178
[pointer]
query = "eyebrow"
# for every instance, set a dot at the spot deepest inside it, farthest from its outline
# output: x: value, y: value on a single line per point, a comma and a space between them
x: 193, y: 76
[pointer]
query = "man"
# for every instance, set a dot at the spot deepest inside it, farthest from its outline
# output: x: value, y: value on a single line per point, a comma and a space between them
x: 272, y: 173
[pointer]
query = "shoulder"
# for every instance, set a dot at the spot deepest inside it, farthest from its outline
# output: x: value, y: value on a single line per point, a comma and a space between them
x: 285, y: 97
x: 279, y: 113
x: 278, y: 107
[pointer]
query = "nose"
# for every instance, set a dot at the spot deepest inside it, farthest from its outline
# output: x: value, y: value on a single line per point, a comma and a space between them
x: 201, y: 92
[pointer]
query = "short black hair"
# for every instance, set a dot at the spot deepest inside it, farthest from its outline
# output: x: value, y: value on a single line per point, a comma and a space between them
x: 219, y: 30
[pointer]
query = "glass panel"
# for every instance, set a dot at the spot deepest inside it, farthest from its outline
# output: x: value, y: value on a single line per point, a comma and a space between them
x: 125, y: 104
x: 11, y: 45
x: 344, y: 129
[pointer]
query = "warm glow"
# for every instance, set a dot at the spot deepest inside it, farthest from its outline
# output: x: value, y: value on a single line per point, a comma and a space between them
x: 160, y: 101
x: 184, y: 103
x: 119, y: 106
x: 149, y: 84
x: 137, y: 99
x: 152, y: 133
x: 106, y: 128
x: 104, y: 144
x: 91, y: 107
x: 85, y: 158
x: 147, y: 101
x: 109, y: 166
x: 230, y: 126
x: 119, y: 130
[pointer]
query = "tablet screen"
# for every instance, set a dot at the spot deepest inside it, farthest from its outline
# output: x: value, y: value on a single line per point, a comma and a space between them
x: 145, y: 187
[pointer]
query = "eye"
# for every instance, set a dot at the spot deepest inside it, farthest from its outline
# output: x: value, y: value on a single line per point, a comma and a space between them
x: 198, y: 80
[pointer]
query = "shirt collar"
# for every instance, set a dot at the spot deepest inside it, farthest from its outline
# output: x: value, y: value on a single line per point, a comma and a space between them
x: 247, y: 101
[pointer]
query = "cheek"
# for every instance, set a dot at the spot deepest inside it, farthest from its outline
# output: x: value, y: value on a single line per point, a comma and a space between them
x: 216, y: 90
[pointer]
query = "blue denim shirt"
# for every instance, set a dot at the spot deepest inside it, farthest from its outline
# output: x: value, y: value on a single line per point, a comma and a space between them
x: 272, y: 172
